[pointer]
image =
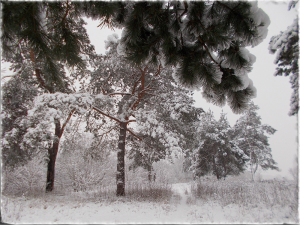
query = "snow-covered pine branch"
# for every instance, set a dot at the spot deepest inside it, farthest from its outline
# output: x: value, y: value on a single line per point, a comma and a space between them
x: 285, y: 46
x: 207, y: 47
x: 50, y: 107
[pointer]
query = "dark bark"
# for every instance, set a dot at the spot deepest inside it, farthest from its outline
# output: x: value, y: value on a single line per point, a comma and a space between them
x: 121, y: 160
x: 52, y: 157
x: 151, y: 174
x: 215, y: 168
x: 224, y: 166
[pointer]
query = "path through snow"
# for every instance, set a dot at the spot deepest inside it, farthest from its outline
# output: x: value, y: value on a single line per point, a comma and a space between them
x: 183, y: 191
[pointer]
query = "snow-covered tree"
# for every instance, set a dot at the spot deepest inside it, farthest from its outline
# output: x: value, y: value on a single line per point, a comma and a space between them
x: 143, y: 94
x: 251, y: 136
x: 286, y: 47
x: 45, y: 39
x: 17, y: 96
x: 216, y: 152
x: 205, y: 41
x: 166, y: 124
x: 44, y: 122
x: 117, y: 91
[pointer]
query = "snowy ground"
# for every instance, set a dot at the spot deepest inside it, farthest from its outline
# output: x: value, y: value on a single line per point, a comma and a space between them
x: 182, y: 208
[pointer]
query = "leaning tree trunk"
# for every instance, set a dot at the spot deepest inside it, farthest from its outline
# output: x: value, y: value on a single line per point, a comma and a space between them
x: 121, y: 160
x: 52, y: 158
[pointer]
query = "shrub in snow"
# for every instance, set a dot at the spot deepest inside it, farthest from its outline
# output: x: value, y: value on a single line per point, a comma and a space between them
x: 80, y: 168
x: 76, y: 174
x: 27, y: 179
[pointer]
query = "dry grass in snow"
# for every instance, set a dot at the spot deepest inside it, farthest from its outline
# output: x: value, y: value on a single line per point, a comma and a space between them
x: 211, y: 201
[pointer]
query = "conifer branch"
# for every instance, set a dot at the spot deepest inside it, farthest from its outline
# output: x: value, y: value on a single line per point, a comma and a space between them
x: 158, y: 71
x: 203, y: 44
x: 141, y: 139
x: 7, y: 76
x: 135, y: 85
x: 185, y: 11
x: 15, y: 45
x: 133, y: 134
x: 141, y: 94
x: 102, y: 135
x: 103, y: 90
x: 181, y: 39
x: 142, y: 84
x: 38, y: 73
x: 111, y: 117
x: 155, y: 75
x: 40, y: 79
x: 232, y: 10
x: 105, y: 114
x: 66, y: 122
x: 226, y: 6
x: 143, y: 88
x: 67, y: 11
x: 118, y: 93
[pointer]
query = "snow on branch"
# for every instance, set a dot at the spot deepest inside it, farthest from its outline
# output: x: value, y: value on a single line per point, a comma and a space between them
x: 118, y: 93
x: 279, y: 43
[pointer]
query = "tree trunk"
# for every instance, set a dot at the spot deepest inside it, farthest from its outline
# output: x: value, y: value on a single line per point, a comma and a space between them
x: 224, y: 166
x: 253, y: 161
x: 121, y: 160
x: 215, y: 168
x: 52, y: 158
x: 151, y: 174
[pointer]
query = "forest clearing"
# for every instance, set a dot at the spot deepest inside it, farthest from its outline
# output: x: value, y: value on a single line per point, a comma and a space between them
x: 234, y: 200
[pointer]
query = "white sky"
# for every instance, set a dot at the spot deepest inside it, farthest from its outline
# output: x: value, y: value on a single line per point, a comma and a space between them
x: 273, y: 93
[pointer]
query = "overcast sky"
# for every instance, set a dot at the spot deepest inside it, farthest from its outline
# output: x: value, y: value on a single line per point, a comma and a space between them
x: 273, y: 93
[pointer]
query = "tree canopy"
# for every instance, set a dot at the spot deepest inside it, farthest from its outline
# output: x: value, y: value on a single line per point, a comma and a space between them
x: 204, y: 41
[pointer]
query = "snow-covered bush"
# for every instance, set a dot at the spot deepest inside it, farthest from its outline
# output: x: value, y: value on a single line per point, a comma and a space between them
x: 76, y: 173
x: 25, y: 180
x: 136, y: 176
